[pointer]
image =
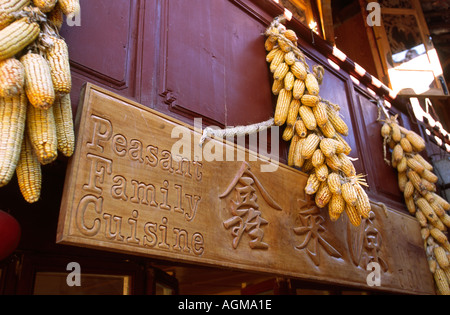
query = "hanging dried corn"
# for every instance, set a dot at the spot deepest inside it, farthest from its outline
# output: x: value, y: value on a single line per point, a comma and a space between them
x: 317, y: 145
x: 418, y: 184
x: 35, y: 86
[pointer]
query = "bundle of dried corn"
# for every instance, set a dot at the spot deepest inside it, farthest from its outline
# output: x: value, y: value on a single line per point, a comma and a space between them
x: 314, y: 128
x: 418, y: 183
x: 35, y: 82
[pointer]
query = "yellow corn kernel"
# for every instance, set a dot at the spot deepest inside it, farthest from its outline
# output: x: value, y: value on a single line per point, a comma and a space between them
x: 353, y: 215
x: 293, y: 113
x: 58, y: 60
x: 289, y: 81
x: 62, y: 111
x: 397, y: 153
x: 290, y: 34
x: 416, y: 141
x: 338, y: 123
x: 45, y: 5
x: 328, y: 147
x: 395, y: 132
x: 336, y: 207
x: 347, y: 165
x: 334, y: 163
x: 406, y: 145
x: 429, y: 176
x: 415, y: 165
x: 439, y: 236
x: 312, y: 85
x: 7, y: 8
x: 349, y: 193
x: 300, y: 128
x: 428, y: 186
x: 410, y: 205
x: 310, y: 100
x: 12, y: 77
x: 282, y: 109
x: 299, y: 89
x: 41, y: 130
x: 424, y: 162
x: 289, y: 58
x: 328, y: 130
x: 299, y: 70
x: 272, y: 53
x: 323, y: 195
x: 284, y: 45
x: 288, y: 133
x: 409, y: 190
x: 318, y: 158
x: 363, y: 202
x: 312, y: 185
x: 402, y: 165
x: 12, y: 125
x: 347, y: 147
x: 281, y: 71
x: 278, y: 58
x: 293, y: 145
x: 445, y: 220
x: 402, y: 180
x: 70, y: 7
x: 442, y: 282
x: 311, y: 144
x: 17, y: 36
x: 321, y: 115
x: 334, y: 183
x: 415, y: 179
x: 308, y: 117
x: 29, y: 173
x: 421, y: 218
x: 38, y: 81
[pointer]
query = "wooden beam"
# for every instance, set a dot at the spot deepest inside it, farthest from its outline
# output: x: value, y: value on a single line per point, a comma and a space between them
x: 326, y: 17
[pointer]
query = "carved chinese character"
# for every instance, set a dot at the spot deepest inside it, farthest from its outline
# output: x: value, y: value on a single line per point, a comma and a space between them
x: 247, y: 217
x: 312, y: 231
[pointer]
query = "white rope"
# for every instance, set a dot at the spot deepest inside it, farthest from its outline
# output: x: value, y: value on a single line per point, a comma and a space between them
x: 239, y: 131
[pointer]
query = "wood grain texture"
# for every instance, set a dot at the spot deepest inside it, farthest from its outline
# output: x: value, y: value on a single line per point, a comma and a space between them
x: 126, y: 192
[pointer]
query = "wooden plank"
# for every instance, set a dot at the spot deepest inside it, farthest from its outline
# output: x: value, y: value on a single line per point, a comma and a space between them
x: 126, y: 192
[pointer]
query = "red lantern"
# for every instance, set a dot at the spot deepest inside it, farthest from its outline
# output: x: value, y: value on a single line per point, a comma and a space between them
x: 9, y: 234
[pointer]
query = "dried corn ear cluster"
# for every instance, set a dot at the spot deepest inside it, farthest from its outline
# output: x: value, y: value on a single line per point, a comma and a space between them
x: 418, y: 183
x: 35, y: 85
x: 314, y: 128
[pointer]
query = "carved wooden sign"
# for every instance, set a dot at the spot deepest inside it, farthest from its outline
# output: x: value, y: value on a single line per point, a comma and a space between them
x: 127, y: 191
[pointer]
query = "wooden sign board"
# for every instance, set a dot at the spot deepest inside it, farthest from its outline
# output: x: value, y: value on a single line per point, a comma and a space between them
x: 126, y: 191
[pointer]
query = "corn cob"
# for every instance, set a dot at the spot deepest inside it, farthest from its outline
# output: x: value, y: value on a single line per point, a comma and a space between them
x: 300, y: 128
x: 299, y: 70
x: 7, y: 8
x: 12, y: 77
x: 415, y: 166
x: 318, y: 158
x: 273, y: 52
x: 334, y: 183
x: 409, y: 190
x: 442, y: 282
x: 298, y: 158
x: 328, y: 130
x: 289, y: 58
x: 290, y: 34
x: 397, y: 154
x: 328, y: 147
x: 16, y: 36
x: 402, y: 180
x: 308, y: 117
x: 320, y: 113
x: 427, y: 185
x: 395, y: 132
x: 62, y: 110
x: 284, y: 45
x: 269, y: 44
x: 322, y: 172
x: 353, y: 215
x: 415, y: 179
x: 385, y: 130
x: 41, y: 130
x: 323, y: 195
x: 416, y: 141
x: 299, y: 89
x: 292, y: 147
x: 336, y: 207
x: 347, y: 147
x: 441, y: 257
x: 334, y: 163
x: 402, y: 165
x: 421, y: 218
x: 429, y: 213
x: 58, y: 60
x: 312, y: 85
x: 288, y: 133
x: 410, y: 205
x: 38, y: 81
x: 277, y: 86
x: 444, y: 204
x: 281, y: 71
x: 429, y: 176
x: 349, y: 193
x: 278, y: 58
x: 289, y: 81
x: 29, y: 173
x: 424, y: 162
x: 439, y: 236
x: 363, y: 202
x: 307, y: 166
x: 338, y: 123
x: 310, y: 100
x: 406, y: 145
x: 45, y: 5
x: 70, y: 7
x: 346, y: 165
x: 282, y: 109
x: 432, y: 264
x: 293, y: 113
x: 445, y: 220
x: 312, y: 185
x: 425, y: 232
x: 311, y: 144
x: 13, y: 115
